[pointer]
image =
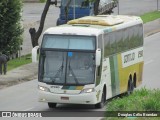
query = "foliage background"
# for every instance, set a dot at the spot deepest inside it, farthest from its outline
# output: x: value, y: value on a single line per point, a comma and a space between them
x: 10, y: 26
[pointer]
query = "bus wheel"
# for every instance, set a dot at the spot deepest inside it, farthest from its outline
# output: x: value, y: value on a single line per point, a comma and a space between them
x: 130, y: 87
x: 134, y: 80
x: 51, y: 105
x: 103, y: 100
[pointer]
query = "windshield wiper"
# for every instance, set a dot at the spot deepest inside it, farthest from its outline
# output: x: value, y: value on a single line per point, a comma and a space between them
x: 60, y: 70
x: 75, y: 78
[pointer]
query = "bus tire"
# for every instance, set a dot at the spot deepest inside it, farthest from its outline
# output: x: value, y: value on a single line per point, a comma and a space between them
x: 103, y: 100
x: 135, y: 80
x: 130, y: 87
x: 52, y: 105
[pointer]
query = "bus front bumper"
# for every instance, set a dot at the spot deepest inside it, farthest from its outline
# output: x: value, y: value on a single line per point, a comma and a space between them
x: 83, y: 98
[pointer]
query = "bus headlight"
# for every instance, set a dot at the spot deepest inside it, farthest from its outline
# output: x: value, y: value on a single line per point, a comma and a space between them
x: 88, y: 90
x: 43, y: 88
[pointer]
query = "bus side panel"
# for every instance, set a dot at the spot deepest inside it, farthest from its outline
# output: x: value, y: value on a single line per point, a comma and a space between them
x: 121, y: 69
x: 139, y: 81
x: 134, y: 67
x: 106, y: 77
x: 114, y: 75
x: 124, y: 74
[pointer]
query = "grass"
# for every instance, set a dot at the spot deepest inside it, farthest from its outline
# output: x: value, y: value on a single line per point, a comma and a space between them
x: 134, y: 118
x: 140, y: 100
x: 14, y: 63
x: 147, y: 17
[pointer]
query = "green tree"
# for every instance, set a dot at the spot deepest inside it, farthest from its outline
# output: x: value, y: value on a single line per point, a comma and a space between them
x: 35, y: 34
x: 11, y: 30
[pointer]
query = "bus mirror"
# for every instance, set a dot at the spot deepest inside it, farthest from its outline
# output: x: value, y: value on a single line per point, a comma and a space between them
x: 34, y: 54
x: 98, y: 57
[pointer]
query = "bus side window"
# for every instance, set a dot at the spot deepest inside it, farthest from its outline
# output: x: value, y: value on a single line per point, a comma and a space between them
x: 100, y: 42
x: 99, y: 68
x: 125, y: 39
x: 119, y: 41
x: 106, y: 45
x: 113, y: 46
x: 99, y: 71
x: 140, y: 31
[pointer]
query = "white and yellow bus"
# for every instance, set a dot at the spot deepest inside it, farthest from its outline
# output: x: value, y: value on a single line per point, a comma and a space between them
x: 90, y: 60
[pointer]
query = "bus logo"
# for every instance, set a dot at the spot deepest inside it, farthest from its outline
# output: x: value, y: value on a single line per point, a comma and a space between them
x: 64, y: 91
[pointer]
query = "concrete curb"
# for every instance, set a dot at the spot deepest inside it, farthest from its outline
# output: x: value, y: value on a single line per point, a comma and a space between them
x: 18, y: 75
x: 152, y: 27
x: 152, y: 32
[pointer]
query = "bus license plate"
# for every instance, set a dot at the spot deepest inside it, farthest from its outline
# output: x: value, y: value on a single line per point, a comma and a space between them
x: 64, y: 98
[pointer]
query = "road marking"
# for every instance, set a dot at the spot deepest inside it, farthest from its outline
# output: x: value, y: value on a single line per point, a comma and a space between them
x: 28, y: 109
x: 148, y: 62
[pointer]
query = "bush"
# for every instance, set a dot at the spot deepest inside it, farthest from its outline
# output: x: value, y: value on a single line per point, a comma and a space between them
x: 11, y: 30
x: 140, y: 100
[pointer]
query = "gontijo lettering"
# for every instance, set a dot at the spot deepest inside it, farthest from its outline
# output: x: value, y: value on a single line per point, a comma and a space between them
x: 140, y: 54
x: 132, y: 57
x: 129, y: 57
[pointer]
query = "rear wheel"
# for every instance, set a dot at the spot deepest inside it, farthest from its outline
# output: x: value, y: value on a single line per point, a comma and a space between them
x: 130, y: 87
x: 135, y: 80
x: 52, y: 105
x: 103, y: 100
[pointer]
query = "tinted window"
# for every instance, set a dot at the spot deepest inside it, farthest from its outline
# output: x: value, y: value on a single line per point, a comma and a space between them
x: 69, y: 42
x: 123, y: 40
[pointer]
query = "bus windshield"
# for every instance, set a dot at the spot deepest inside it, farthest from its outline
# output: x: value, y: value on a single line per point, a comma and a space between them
x: 67, y: 67
x: 67, y: 59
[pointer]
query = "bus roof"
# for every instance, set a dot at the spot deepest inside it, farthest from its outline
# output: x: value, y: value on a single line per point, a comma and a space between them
x: 95, y: 25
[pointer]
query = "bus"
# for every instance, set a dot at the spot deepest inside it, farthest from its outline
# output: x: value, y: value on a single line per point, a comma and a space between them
x: 90, y: 59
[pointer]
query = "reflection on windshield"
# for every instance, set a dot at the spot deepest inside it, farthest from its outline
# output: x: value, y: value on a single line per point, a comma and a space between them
x: 52, y: 67
x: 69, y: 42
x: 67, y: 67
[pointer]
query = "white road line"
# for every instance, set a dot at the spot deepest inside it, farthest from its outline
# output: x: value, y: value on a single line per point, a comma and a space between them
x: 28, y: 109
x: 148, y: 62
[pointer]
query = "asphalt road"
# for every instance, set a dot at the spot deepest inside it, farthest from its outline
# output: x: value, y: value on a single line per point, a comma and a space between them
x: 23, y: 97
x: 151, y: 72
x: 136, y: 7
x: 32, y: 13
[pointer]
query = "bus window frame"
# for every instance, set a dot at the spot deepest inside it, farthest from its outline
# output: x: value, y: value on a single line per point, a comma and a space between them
x: 67, y: 50
x: 95, y: 46
x: 98, y: 71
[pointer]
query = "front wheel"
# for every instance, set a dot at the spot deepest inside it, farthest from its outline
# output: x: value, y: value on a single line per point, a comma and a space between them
x: 102, y: 103
x: 52, y: 105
